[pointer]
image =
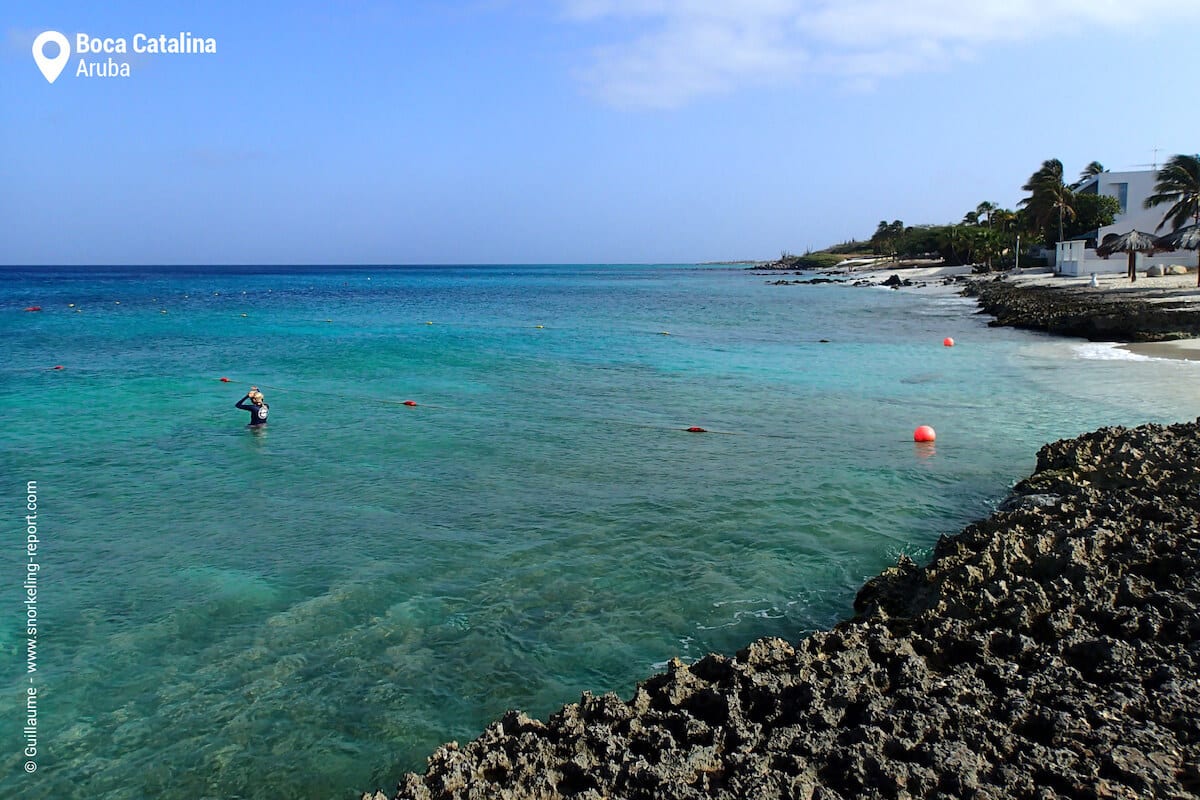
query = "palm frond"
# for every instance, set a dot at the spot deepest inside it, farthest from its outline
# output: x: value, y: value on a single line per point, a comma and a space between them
x: 1178, y: 184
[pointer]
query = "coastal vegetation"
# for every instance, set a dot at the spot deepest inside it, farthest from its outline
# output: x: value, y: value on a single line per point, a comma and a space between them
x: 818, y: 260
x: 990, y: 235
x: 993, y: 237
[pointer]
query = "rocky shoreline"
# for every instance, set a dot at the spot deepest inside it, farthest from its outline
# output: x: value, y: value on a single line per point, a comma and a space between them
x: 1051, y: 650
x: 1077, y: 311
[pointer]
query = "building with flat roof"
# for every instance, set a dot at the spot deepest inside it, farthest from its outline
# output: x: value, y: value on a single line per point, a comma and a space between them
x: 1078, y: 257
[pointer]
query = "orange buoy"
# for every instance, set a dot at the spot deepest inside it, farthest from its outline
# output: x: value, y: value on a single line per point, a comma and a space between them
x: 224, y: 380
x: 696, y: 429
x: 924, y: 433
x: 410, y: 402
x: 33, y: 308
x: 57, y: 366
x: 948, y: 342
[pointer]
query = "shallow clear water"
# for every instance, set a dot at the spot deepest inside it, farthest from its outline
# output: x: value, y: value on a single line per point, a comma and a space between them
x: 308, y: 610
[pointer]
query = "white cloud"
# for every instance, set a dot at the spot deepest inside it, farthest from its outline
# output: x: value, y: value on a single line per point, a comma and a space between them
x: 666, y: 53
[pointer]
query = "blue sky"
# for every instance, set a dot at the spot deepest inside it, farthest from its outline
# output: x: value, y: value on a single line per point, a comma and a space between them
x: 566, y: 130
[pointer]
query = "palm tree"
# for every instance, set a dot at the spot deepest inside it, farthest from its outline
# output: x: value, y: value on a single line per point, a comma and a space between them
x: 986, y: 209
x: 887, y: 237
x: 1090, y: 171
x: 1049, y: 195
x: 954, y: 245
x: 1004, y: 219
x: 1179, y: 184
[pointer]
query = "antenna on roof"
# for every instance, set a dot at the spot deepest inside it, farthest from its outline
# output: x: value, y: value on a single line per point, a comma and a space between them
x: 1153, y: 166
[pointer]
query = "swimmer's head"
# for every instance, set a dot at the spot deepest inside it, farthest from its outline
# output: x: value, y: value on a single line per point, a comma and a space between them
x: 256, y: 398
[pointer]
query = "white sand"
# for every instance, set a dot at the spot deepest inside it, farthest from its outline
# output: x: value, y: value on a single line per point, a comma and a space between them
x: 933, y: 276
x: 1162, y: 289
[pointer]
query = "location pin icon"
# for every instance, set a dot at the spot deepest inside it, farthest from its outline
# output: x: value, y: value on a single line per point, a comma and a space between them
x: 51, y: 67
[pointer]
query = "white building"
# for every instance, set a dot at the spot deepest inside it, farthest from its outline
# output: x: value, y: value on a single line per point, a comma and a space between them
x: 1131, y: 190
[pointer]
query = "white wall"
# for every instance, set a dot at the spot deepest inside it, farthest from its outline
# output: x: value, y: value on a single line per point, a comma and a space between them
x: 1072, y: 258
x: 1140, y: 185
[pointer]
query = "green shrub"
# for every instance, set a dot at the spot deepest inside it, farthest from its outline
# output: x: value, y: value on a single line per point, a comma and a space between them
x: 815, y: 261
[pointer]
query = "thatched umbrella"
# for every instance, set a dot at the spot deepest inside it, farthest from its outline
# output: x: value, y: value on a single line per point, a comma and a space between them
x: 1183, y: 239
x: 1133, y: 243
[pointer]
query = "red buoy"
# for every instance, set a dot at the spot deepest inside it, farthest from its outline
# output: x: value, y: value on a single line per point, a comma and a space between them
x: 948, y: 342
x: 224, y: 380
x: 696, y: 429
x: 410, y: 402
x: 57, y: 366
x: 924, y: 433
x: 33, y: 308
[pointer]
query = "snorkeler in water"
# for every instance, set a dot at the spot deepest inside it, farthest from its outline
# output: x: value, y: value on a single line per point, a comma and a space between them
x: 257, y: 406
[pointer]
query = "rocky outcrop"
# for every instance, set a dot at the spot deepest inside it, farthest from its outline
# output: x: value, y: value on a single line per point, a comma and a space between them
x: 1051, y: 650
x: 1078, y: 312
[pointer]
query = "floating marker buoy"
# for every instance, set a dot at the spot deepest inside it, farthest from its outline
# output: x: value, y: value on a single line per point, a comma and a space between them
x: 162, y: 311
x: 696, y: 429
x: 244, y: 315
x: 33, y: 308
x: 948, y: 342
x: 410, y: 402
x: 118, y: 302
x: 664, y: 333
x: 329, y: 320
x: 823, y: 341
x: 224, y: 380
x: 57, y: 366
x: 429, y: 323
x: 70, y: 305
x: 539, y: 327
x: 924, y: 433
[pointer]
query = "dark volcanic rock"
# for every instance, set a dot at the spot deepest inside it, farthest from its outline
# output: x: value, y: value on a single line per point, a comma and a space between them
x: 1078, y: 312
x: 1051, y: 650
x: 809, y: 282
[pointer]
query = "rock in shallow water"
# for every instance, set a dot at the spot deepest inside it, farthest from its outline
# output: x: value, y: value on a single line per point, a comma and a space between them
x: 1052, y: 649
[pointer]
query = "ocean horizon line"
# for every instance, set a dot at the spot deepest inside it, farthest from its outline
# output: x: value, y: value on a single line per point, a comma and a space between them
x: 383, y: 265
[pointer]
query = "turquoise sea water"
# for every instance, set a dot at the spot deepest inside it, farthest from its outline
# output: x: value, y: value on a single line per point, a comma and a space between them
x: 309, y: 610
